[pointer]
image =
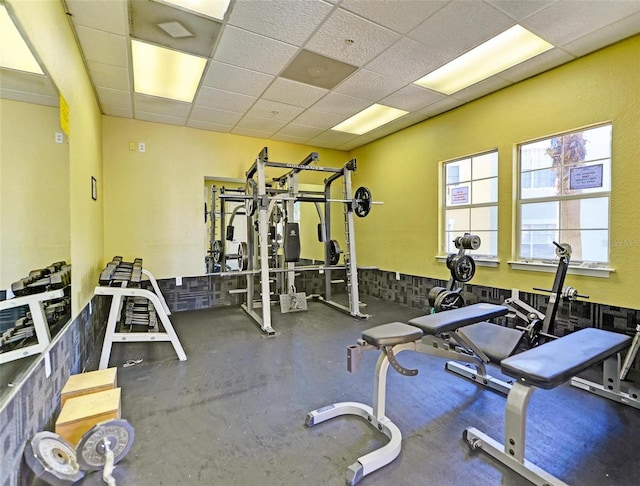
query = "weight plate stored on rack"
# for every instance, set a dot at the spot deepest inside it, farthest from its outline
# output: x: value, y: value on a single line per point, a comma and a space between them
x: 217, y: 251
x: 463, y: 268
x: 468, y: 242
x: 251, y: 203
x: 243, y: 256
x: 334, y: 252
x: 448, y: 300
x: 53, y: 459
x: 433, y: 294
x: 116, y: 434
x: 362, y: 201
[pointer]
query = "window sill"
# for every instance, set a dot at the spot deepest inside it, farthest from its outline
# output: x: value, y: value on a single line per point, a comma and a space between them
x: 583, y: 269
x: 480, y: 262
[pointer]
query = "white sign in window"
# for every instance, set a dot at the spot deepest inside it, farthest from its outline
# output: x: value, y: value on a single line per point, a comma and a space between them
x: 585, y: 177
x: 460, y: 195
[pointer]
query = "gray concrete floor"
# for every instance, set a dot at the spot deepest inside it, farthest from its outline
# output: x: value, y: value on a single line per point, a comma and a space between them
x: 234, y: 412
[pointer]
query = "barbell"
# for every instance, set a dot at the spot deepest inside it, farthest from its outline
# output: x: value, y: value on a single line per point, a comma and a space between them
x: 242, y: 256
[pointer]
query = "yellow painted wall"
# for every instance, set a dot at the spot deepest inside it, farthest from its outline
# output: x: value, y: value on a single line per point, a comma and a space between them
x: 403, y: 170
x: 34, y: 190
x: 47, y: 28
x: 154, y: 199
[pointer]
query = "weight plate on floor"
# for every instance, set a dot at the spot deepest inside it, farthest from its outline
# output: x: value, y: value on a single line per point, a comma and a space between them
x: 433, y: 294
x: 463, y: 268
x: 53, y: 459
x: 362, y: 201
x: 334, y: 252
x: 448, y: 300
x: 117, y: 434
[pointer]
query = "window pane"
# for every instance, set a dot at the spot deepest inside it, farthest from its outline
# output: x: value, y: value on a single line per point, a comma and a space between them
x: 538, y: 244
x: 534, y: 155
x: 598, y: 143
x: 458, y: 194
x: 457, y: 220
x: 483, y: 219
x: 539, y: 215
x: 592, y: 213
x: 485, y: 165
x: 484, y: 191
x: 489, y: 243
x: 452, y: 174
x: 460, y: 169
x: 587, y: 245
x: 539, y: 183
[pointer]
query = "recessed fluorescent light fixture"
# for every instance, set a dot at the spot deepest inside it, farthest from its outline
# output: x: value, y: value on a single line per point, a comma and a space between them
x: 165, y: 73
x: 501, y: 52
x: 14, y: 52
x: 211, y: 8
x: 368, y: 119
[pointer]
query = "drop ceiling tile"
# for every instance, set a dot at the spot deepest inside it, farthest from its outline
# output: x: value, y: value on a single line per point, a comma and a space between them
x: 369, y: 39
x: 407, y: 60
x: 272, y: 110
x: 113, y: 97
x: 301, y: 131
x: 209, y: 126
x: 283, y: 20
x: 107, y: 15
x: 339, y: 104
x: 261, y: 124
x: 26, y: 97
x: 442, y: 106
x: 519, y: 11
x: 482, y: 88
x: 161, y: 106
x: 607, y: 35
x: 236, y: 79
x: 459, y: 27
x: 563, y: 22
x: 369, y: 85
x: 213, y: 115
x: 319, y: 119
x: 103, y: 47
x: 27, y: 83
x: 543, y: 62
x: 332, y: 137
x: 288, y: 138
x: 398, y: 15
x: 411, y: 98
x: 293, y: 93
x: 252, y: 51
x: 251, y: 133
x: 157, y: 118
x: 224, y: 100
x: 117, y: 111
x: 108, y: 76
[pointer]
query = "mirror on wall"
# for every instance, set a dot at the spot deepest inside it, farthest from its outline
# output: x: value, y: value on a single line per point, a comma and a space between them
x: 34, y: 207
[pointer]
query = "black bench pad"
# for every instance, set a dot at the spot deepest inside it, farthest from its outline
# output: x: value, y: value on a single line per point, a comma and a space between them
x: 497, y: 342
x: 455, y: 318
x: 391, y: 334
x: 555, y: 362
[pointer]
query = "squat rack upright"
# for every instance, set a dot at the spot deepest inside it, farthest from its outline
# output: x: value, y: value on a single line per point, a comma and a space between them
x: 264, y: 200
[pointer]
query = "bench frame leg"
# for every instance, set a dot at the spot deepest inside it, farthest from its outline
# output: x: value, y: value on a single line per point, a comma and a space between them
x: 375, y: 417
x: 511, y: 453
x: 610, y: 387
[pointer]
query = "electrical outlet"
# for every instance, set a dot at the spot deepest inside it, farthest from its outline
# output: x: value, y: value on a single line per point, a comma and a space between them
x: 178, y: 281
x: 90, y: 308
x: 397, y: 275
x: 142, y: 147
x: 59, y: 137
x: 132, y: 146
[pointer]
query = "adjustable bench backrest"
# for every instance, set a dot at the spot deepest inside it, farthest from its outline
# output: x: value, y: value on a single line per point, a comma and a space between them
x: 555, y: 362
x: 453, y: 319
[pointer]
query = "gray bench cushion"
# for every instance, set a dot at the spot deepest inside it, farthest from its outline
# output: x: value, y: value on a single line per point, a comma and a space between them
x: 497, y: 342
x: 555, y: 362
x: 455, y: 318
x: 391, y: 334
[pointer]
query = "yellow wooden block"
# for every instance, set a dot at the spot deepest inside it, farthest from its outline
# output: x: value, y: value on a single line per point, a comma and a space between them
x: 89, y: 382
x: 81, y: 413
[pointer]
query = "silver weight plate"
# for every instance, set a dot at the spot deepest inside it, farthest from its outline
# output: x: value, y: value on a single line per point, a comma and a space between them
x: 91, y: 451
x: 53, y: 459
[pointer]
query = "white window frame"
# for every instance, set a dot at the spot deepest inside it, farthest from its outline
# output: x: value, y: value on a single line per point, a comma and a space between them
x: 481, y: 255
x: 592, y: 268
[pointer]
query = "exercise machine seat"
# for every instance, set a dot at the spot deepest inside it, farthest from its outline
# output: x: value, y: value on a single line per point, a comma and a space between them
x: 391, y: 334
x: 497, y: 342
x: 455, y: 318
x: 555, y: 362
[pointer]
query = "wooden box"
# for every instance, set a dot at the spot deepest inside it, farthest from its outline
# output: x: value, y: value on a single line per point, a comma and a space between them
x: 90, y: 382
x: 81, y: 413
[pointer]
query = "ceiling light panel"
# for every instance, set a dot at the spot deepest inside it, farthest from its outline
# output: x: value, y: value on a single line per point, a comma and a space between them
x: 503, y: 51
x: 211, y: 8
x: 369, y: 119
x: 165, y: 73
x: 14, y: 52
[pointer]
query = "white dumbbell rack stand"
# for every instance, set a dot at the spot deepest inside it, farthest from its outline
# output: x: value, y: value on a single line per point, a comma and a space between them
x: 118, y: 295
x: 40, y: 324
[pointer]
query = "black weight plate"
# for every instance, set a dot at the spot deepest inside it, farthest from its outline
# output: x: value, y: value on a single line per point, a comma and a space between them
x: 334, y: 252
x: 463, y: 268
x: 217, y: 251
x: 448, y: 300
x: 433, y: 294
x: 362, y: 201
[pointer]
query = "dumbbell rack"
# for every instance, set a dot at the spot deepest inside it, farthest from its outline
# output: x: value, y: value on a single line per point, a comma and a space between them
x: 120, y: 292
x: 40, y: 324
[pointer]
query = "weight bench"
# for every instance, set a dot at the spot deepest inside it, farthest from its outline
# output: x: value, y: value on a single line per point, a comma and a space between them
x: 464, y: 335
x: 546, y: 367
